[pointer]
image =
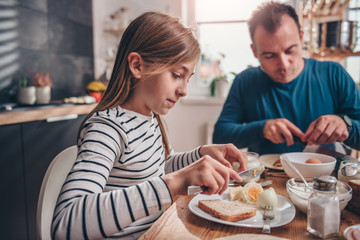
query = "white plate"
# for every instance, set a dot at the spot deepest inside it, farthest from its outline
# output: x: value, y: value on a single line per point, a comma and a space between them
x: 284, y: 214
x: 353, y: 226
x: 269, y: 159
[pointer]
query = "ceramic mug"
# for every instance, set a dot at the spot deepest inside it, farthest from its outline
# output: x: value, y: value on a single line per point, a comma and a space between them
x: 43, y: 95
x: 26, y: 95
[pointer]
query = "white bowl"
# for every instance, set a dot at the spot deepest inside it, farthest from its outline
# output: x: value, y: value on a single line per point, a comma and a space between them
x: 308, y: 169
x: 296, y: 190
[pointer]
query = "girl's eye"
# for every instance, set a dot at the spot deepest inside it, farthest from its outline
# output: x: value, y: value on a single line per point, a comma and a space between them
x: 175, y: 75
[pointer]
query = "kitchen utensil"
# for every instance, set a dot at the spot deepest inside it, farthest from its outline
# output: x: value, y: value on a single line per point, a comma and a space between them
x: 308, y: 170
x: 287, y: 161
x: 349, y: 170
x: 246, y: 175
x: 251, y: 173
x: 263, y: 184
x: 268, y: 216
x: 340, y: 35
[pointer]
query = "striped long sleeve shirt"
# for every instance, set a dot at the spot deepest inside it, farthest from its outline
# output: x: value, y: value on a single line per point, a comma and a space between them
x: 115, y: 189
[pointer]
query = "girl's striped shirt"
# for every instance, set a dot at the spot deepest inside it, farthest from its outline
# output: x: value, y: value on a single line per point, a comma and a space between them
x: 115, y: 189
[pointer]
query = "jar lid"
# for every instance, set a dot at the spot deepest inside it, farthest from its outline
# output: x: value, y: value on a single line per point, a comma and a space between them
x: 325, y: 183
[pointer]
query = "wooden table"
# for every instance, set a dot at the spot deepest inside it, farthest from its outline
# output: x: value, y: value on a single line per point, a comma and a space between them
x: 179, y: 223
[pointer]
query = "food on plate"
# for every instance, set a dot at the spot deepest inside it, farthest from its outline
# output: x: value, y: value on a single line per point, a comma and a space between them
x: 237, y: 193
x: 267, y: 198
x: 227, y: 210
x: 355, y: 200
x: 251, y: 192
x: 352, y: 234
x: 277, y: 163
x: 313, y: 160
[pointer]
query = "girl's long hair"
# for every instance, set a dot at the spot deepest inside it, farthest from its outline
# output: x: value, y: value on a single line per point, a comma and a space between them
x: 162, y: 42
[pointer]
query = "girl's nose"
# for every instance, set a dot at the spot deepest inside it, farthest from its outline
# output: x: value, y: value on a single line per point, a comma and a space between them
x: 182, y: 91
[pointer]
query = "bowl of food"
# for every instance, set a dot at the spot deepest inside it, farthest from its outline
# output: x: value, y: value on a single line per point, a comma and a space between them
x: 299, y: 194
x: 309, y: 164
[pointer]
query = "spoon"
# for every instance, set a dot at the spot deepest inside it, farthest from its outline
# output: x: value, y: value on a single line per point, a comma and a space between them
x: 284, y: 157
x: 349, y: 170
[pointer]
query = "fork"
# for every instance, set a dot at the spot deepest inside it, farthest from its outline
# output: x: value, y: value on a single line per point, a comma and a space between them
x: 268, y: 216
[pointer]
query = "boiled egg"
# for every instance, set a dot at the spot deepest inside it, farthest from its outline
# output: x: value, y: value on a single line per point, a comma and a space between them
x: 251, y: 192
x: 267, y: 198
x: 313, y: 160
x: 237, y: 193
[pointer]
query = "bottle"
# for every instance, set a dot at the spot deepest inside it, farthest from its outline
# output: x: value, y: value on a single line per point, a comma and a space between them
x: 323, y: 213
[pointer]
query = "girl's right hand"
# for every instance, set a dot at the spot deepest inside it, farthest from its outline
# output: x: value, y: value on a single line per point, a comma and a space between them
x: 205, y: 172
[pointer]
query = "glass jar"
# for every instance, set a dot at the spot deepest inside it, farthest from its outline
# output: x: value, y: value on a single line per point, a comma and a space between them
x: 252, y: 161
x: 323, y: 213
x: 345, y: 179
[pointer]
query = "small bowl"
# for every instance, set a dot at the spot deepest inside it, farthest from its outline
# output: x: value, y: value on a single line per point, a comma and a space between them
x: 310, y: 170
x: 299, y: 196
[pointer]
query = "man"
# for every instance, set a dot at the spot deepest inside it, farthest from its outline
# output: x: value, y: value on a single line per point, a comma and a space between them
x: 288, y: 97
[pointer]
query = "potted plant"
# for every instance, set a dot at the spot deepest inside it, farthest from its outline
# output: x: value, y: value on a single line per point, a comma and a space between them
x: 26, y: 94
x: 220, y: 85
x: 43, y: 84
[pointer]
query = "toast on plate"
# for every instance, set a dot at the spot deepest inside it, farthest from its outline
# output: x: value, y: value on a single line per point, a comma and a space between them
x: 227, y: 210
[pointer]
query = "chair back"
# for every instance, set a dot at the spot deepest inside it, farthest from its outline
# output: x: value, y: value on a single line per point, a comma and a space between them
x: 50, y: 188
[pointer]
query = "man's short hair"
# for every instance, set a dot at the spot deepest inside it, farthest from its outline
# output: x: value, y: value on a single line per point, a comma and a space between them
x: 269, y: 16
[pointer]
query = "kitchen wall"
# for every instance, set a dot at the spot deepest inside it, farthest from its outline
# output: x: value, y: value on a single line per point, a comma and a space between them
x: 104, y: 40
x: 47, y: 36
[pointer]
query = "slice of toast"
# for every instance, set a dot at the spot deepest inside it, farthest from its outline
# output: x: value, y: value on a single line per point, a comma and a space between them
x: 227, y: 210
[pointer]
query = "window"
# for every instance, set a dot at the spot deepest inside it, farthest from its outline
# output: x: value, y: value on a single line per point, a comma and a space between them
x: 224, y: 40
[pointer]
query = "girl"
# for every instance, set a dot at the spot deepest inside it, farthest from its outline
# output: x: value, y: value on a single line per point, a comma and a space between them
x: 117, y: 187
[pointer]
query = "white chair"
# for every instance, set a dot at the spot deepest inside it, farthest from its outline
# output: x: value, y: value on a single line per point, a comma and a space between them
x: 50, y: 189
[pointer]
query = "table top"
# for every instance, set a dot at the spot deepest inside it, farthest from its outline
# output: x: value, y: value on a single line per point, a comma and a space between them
x: 178, y: 222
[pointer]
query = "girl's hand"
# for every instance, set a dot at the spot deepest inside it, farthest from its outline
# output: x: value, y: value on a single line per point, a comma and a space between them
x: 205, y: 172
x: 226, y: 154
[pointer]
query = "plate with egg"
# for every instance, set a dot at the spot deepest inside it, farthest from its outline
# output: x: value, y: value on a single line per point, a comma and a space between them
x: 250, y: 196
x: 271, y: 161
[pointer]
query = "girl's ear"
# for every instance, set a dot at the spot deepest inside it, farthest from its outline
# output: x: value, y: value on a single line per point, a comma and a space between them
x: 135, y: 64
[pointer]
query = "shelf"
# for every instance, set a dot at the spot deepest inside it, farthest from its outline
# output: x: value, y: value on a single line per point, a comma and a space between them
x: 335, y: 55
x: 315, y: 12
x: 115, y: 31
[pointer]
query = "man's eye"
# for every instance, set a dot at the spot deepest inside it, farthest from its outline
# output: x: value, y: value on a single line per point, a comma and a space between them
x: 268, y: 56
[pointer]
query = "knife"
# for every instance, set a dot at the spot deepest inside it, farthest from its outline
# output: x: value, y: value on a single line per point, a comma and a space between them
x: 246, y: 175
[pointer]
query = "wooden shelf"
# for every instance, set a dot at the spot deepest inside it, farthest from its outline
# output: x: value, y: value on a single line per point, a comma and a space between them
x: 335, y: 55
x: 315, y: 12
x: 115, y: 31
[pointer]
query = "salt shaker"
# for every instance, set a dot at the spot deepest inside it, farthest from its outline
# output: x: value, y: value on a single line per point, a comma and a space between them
x: 323, y: 213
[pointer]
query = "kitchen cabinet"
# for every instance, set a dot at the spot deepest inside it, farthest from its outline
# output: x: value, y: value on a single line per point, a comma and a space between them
x: 13, y: 200
x: 27, y: 150
x: 42, y: 141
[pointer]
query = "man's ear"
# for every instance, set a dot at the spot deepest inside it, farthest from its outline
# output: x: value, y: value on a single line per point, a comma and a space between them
x: 253, y: 50
x: 135, y: 64
x: 302, y: 37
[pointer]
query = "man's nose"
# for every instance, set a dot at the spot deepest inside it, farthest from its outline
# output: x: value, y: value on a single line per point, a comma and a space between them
x: 283, y: 61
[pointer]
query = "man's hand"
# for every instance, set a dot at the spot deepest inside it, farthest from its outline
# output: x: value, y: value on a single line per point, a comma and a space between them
x: 326, y: 129
x: 280, y: 130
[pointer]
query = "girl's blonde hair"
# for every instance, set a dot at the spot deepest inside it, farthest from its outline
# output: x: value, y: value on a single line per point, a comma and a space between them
x: 162, y: 42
